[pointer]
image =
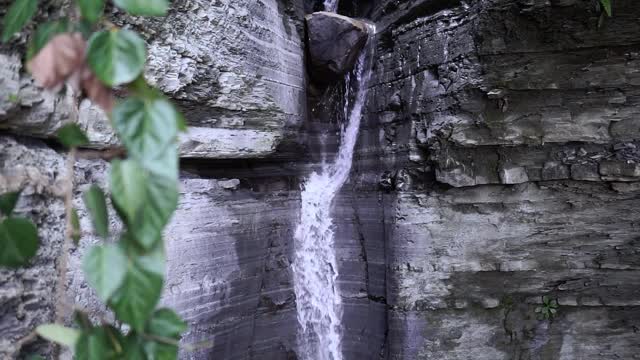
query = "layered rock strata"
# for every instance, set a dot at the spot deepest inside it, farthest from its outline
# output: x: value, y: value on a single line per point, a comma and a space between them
x: 494, y: 145
x: 236, y: 69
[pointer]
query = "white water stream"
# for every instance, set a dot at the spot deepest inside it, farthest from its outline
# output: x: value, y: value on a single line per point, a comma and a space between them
x: 319, y: 307
x: 331, y: 5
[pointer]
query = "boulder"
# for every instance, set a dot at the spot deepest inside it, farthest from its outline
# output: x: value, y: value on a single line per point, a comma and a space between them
x: 334, y: 43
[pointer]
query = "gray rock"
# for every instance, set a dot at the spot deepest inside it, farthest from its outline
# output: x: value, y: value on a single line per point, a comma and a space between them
x: 26, y: 294
x: 513, y: 175
x: 229, y: 184
x: 553, y: 170
x: 242, y: 97
x: 334, y: 43
x: 228, y: 271
x: 619, y: 170
x: 452, y: 264
x: 585, y: 172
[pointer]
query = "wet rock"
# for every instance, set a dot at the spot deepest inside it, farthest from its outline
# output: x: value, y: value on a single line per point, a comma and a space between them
x: 386, y: 180
x: 403, y: 180
x: 513, y: 175
x: 553, y: 170
x: 231, y: 184
x: 620, y: 171
x: 457, y: 177
x: 585, y: 172
x: 334, y: 43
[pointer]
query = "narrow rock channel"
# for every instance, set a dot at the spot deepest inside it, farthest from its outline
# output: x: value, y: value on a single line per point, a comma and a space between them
x: 319, y: 307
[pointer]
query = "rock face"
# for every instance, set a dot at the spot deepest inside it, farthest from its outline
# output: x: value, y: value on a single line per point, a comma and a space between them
x: 334, y: 43
x: 498, y: 162
x: 228, y: 255
x: 236, y: 69
x: 503, y: 116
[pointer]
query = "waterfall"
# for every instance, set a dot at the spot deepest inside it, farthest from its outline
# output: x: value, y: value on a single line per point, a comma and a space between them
x: 331, y: 5
x: 315, y: 265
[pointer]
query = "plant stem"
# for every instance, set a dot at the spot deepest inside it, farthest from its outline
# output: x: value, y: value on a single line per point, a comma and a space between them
x: 64, y: 255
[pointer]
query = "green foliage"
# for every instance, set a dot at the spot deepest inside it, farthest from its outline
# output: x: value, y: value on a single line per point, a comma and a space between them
x: 116, y: 56
x: 59, y: 334
x: 99, y: 343
x: 166, y: 323
x: 145, y: 200
x: 606, y: 5
x: 507, y: 302
x: 97, y: 205
x: 148, y: 127
x: 18, y: 241
x: 136, y: 299
x: 144, y: 7
x: 72, y: 136
x: 8, y: 202
x: 91, y: 10
x: 548, y: 309
x: 44, y: 33
x: 19, y: 14
x: 127, y: 275
x: 105, y: 268
x: 13, y: 98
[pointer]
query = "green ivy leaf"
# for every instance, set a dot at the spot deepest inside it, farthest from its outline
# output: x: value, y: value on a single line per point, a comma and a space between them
x: 105, y: 268
x: 149, y: 128
x: 18, y: 241
x: 158, y: 351
x: 134, y: 347
x: 82, y: 319
x: 182, y: 123
x: 91, y: 10
x: 136, y: 299
x: 59, y: 334
x: 144, y: 7
x: 75, y: 226
x: 606, y: 4
x: 84, y: 27
x: 71, y: 136
x: 128, y: 188
x: 116, y: 56
x: 43, y: 34
x: 8, y: 202
x: 162, y: 201
x: 166, y: 323
x: 146, y: 200
x: 101, y: 343
x: 96, y: 204
x: 20, y: 12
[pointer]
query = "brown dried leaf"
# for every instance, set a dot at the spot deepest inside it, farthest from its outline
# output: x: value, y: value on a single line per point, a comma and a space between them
x: 96, y: 91
x: 58, y: 60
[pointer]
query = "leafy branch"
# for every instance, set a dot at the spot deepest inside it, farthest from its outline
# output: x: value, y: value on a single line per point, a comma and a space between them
x: 93, y: 57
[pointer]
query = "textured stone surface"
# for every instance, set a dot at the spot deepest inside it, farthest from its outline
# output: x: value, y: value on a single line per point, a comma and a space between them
x: 505, y: 116
x: 235, y: 68
x: 497, y: 163
x: 26, y: 294
x: 334, y: 43
x: 228, y: 260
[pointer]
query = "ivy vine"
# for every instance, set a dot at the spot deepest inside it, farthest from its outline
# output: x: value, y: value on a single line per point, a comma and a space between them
x: 93, y: 56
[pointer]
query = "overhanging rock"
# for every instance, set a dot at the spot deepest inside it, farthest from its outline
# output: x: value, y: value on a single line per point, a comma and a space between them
x: 334, y: 43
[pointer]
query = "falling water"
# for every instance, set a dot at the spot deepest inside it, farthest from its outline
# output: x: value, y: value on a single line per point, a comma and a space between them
x: 331, y: 5
x: 315, y: 265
